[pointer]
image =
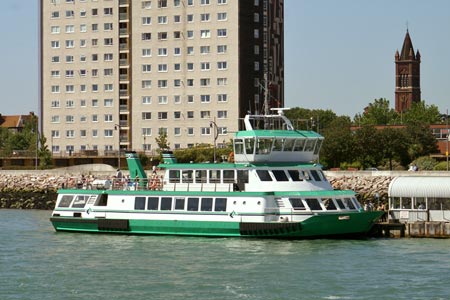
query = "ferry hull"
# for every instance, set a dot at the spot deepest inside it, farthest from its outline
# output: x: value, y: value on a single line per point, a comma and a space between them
x: 325, y: 225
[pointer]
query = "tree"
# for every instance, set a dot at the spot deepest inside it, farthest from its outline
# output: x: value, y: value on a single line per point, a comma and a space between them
x: 162, y: 142
x: 422, y: 113
x: 44, y: 154
x: 377, y: 113
x: 394, y: 145
x: 421, y: 140
x: 339, y: 143
x: 367, y: 147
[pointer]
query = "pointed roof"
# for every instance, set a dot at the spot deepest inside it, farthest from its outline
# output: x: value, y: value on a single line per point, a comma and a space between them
x: 407, y: 48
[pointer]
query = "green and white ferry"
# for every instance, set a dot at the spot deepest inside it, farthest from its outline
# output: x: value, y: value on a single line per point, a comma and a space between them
x: 272, y: 189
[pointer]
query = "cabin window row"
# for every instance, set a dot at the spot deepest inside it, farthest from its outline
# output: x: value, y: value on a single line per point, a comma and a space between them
x: 251, y: 146
x: 324, y: 203
x: 208, y: 176
x: 80, y: 201
x: 180, y: 203
x: 290, y: 175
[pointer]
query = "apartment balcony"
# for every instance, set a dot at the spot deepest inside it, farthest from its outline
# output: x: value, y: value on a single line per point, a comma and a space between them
x: 123, y: 93
x: 123, y: 109
x: 124, y: 47
x: 123, y: 32
x: 123, y: 17
x: 124, y: 77
x: 124, y: 62
x: 124, y: 2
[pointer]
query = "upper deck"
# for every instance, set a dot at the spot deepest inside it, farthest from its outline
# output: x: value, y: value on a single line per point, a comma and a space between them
x: 272, y: 138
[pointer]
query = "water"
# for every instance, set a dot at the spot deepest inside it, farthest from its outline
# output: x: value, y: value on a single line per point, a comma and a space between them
x: 38, y: 263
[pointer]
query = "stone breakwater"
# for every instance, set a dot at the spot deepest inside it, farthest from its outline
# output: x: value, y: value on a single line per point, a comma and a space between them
x: 366, y: 187
x: 38, y: 191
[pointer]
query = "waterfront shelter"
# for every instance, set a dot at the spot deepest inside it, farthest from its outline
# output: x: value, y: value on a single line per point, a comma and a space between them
x: 419, y: 198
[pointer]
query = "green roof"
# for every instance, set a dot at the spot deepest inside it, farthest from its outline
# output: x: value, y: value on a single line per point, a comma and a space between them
x: 279, y: 133
x: 201, y: 166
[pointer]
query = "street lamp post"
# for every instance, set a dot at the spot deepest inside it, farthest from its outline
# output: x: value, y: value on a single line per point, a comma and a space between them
x: 446, y: 143
x: 216, y: 134
x: 117, y: 127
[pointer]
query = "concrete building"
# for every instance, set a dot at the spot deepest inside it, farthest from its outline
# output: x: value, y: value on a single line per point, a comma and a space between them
x: 119, y: 72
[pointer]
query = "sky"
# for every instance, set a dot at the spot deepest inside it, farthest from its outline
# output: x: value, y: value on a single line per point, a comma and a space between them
x: 339, y: 54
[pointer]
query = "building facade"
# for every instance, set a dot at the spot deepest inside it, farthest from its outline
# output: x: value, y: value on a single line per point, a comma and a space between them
x: 117, y: 73
x: 407, y: 76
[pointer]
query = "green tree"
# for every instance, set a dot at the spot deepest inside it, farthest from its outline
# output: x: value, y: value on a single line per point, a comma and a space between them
x: 421, y: 113
x: 44, y: 154
x: 376, y: 113
x: 161, y: 140
x: 421, y: 141
x: 367, y: 147
x: 338, y: 146
x: 394, y: 145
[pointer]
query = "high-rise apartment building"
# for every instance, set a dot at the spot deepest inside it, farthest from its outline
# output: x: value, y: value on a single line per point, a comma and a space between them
x: 119, y: 72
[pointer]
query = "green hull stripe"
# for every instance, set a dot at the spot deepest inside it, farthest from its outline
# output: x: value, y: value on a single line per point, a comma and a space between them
x: 316, y: 226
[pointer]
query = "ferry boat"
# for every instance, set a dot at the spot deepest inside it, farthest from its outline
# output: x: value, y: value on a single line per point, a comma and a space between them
x: 271, y: 189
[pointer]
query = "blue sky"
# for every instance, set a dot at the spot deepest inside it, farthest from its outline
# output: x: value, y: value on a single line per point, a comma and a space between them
x: 339, y: 54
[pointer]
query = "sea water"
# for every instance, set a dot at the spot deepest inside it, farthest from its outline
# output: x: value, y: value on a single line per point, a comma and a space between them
x: 38, y: 263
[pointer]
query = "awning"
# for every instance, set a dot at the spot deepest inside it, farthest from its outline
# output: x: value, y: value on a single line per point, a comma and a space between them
x: 420, y: 186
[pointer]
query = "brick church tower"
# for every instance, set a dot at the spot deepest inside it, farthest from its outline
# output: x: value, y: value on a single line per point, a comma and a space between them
x: 407, y: 76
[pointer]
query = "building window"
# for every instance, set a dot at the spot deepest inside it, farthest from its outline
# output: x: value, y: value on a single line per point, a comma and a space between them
x: 221, y: 32
x: 205, y: 98
x: 162, y: 100
x: 162, y: 3
x: 205, y: 34
x: 162, y: 115
x: 146, y: 115
x: 222, y: 16
x: 221, y: 49
x: 190, y: 114
x: 146, y: 36
x: 146, y: 20
x: 146, y: 99
x: 222, y: 114
x: 222, y: 65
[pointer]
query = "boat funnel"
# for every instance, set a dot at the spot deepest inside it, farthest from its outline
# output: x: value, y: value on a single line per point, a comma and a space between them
x: 135, y: 167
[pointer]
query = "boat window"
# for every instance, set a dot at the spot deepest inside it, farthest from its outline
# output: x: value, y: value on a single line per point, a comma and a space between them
x: 228, y: 176
x: 419, y: 202
x: 280, y: 175
x: 313, y: 204
x: 309, y: 146
x: 242, y: 176
x: 297, y: 203
x: 220, y: 204
x: 139, y: 203
x: 238, y: 146
x: 152, y: 203
x: 278, y: 145
x: 65, y: 201
x: 214, y: 176
x: 80, y: 201
x: 249, y: 146
x: 206, y: 204
x: 349, y: 203
x: 329, y: 204
x: 356, y: 203
x: 289, y: 145
x: 340, y: 204
x: 305, y: 174
x: 187, y: 176
x: 299, y: 145
x: 200, y: 176
x: 263, y: 175
x: 315, y: 175
x: 192, y: 204
x: 174, y: 176
x: 318, y: 145
x: 166, y: 203
x: 264, y: 146
x: 324, y: 178
x: 102, y: 200
x: 179, y: 203
x: 295, y: 175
